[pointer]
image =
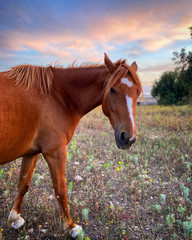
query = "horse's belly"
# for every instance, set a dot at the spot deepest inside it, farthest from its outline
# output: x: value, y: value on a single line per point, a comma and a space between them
x: 14, y: 146
x: 18, y: 127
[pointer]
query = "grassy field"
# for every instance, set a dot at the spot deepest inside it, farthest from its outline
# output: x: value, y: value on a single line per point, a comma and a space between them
x: 143, y: 193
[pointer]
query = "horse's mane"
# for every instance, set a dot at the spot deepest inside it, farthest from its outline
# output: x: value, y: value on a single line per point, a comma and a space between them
x: 41, y: 78
x: 37, y: 77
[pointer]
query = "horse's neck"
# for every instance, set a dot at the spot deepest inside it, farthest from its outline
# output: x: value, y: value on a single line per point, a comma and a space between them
x: 84, y: 87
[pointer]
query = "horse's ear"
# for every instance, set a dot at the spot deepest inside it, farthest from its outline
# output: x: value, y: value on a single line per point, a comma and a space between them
x: 109, y: 64
x: 134, y: 66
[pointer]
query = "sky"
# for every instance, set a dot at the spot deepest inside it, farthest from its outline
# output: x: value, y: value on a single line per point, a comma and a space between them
x: 42, y: 32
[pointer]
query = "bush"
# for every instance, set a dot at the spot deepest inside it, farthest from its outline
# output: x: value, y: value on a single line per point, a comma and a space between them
x: 175, y: 87
x: 165, y: 89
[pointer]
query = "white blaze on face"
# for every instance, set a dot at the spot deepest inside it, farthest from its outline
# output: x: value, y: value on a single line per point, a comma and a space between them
x: 129, y: 102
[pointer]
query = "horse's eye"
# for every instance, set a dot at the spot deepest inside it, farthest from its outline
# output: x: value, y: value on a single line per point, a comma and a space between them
x: 112, y: 90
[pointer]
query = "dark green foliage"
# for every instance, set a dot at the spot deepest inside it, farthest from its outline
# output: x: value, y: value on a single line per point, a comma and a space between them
x: 164, y: 89
x: 184, y: 86
x: 176, y: 87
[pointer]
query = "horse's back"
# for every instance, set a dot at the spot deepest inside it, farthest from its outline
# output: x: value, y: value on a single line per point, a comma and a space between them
x: 19, y: 116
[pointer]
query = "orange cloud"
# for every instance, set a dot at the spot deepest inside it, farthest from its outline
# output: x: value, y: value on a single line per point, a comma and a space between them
x: 145, y: 29
x: 152, y: 31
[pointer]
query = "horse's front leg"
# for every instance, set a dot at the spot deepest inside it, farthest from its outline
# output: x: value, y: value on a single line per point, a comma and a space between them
x: 28, y: 163
x: 56, y: 162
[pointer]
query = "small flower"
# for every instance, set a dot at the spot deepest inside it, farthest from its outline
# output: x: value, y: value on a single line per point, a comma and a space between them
x: 124, y: 216
x: 132, y: 217
x: 136, y: 202
x: 117, y: 169
x: 111, y: 221
x: 160, y: 179
x: 150, y: 180
x: 97, y: 206
x: 1, y: 229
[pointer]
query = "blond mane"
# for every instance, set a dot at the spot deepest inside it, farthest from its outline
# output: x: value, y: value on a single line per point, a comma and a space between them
x: 37, y: 77
x: 41, y: 78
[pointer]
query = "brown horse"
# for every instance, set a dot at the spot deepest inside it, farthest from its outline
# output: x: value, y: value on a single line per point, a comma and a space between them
x: 40, y: 108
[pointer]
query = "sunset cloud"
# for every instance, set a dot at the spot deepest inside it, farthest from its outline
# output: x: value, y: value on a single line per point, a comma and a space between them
x: 65, y: 32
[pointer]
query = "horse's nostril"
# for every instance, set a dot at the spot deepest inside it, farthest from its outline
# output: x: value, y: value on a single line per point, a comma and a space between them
x: 123, y: 137
x: 124, y: 141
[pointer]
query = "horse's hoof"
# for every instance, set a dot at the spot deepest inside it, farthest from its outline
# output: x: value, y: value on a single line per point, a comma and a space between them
x: 15, y: 220
x: 76, y: 231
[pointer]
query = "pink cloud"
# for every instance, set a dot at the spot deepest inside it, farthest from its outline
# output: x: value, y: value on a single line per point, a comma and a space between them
x: 150, y: 28
x: 154, y: 29
x: 155, y: 32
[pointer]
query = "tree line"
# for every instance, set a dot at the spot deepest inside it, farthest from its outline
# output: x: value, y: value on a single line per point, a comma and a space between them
x: 175, y: 87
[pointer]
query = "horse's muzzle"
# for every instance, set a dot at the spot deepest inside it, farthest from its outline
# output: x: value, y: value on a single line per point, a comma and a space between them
x: 123, y: 140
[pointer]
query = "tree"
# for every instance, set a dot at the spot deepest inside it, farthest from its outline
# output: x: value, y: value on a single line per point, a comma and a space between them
x: 164, y: 89
x: 176, y: 87
x: 183, y: 61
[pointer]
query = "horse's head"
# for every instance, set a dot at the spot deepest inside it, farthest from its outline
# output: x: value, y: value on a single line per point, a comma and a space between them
x: 119, y: 103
